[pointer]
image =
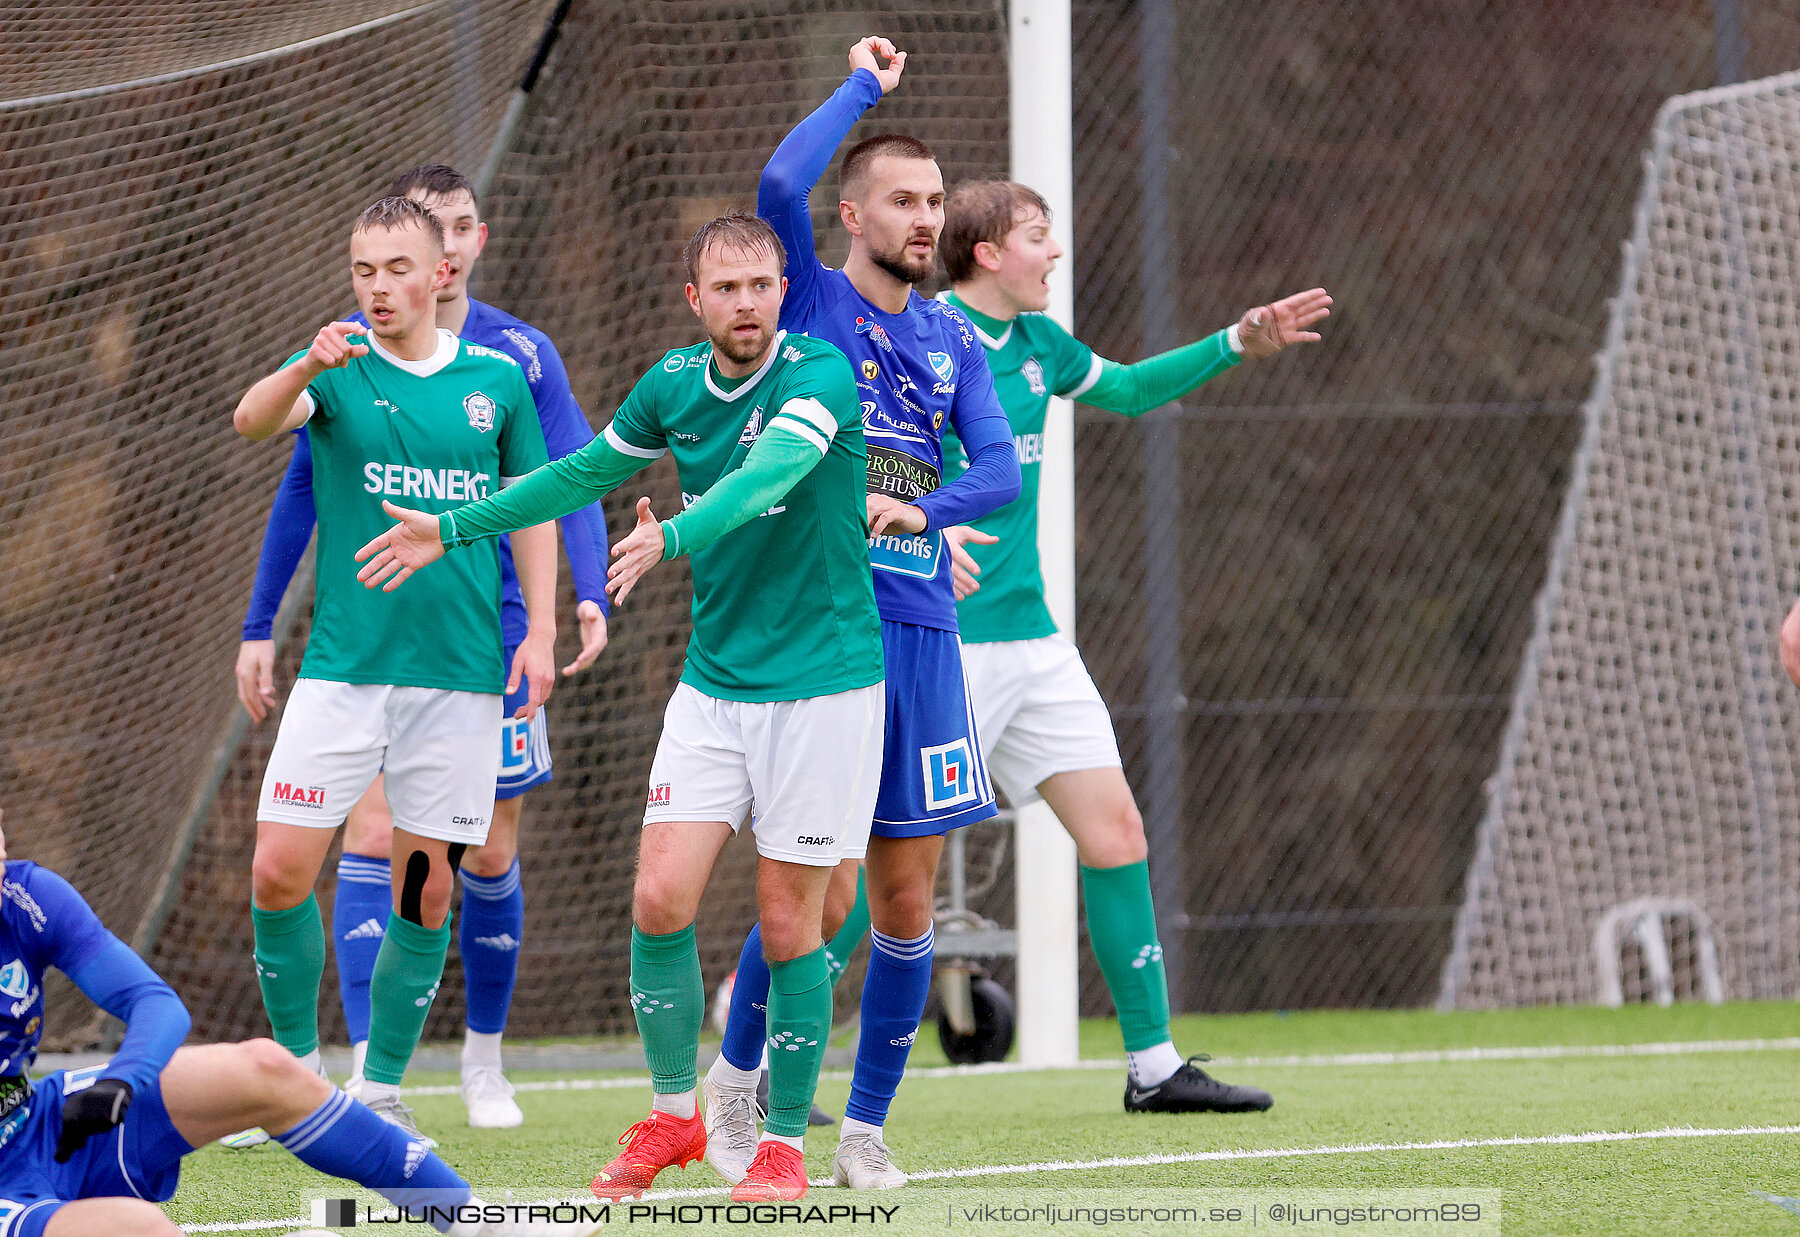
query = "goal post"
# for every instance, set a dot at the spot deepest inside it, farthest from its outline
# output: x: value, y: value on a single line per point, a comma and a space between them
x: 1042, y: 143
x: 1653, y: 750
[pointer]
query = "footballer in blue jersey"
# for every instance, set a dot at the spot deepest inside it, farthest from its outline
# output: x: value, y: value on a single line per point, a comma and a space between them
x: 920, y: 370
x: 491, y: 927
x: 96, y: 1148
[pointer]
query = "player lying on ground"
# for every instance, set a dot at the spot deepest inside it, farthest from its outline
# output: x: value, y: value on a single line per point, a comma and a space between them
x: 1045, y: 732
x: 491, y: 930
x: 780, y: 702
x: 89, y: 1152
x: 919, y: 371
x: 407, y: 686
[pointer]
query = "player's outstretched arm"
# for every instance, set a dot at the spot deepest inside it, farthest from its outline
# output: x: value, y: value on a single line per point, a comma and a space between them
x: 963, y: 567
x: 1133, y: 390
x: 274, y: 404
x: 413, y: 544
x: 992, y: 479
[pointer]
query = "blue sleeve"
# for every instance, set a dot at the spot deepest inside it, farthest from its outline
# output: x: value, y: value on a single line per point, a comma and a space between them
x: 993, y: 477
x: 291, y: 520
x: 793, y: 170
x: 115, y: 979
x: 567, y: 431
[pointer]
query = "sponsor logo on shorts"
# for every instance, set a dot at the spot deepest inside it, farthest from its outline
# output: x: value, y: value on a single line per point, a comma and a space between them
x: 515, y: 744
x: 471, y: 822
x: 659, y: 796
x: 807, y: 839
x: 289, y: 795
x: 949, y: 774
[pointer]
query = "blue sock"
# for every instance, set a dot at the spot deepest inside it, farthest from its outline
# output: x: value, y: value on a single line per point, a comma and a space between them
x: 493, y: 928
x: 748, y: 1023
x: 359, y: 915
x: 344, y: 1139
x: 893, y: 1001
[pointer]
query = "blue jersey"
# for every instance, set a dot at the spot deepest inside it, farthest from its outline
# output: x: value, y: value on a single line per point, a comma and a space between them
x: 44, y: 923
x: 566, y: 430
x: 916, y: 371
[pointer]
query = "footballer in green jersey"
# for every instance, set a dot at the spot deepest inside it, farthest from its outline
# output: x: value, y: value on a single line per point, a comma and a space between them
x: 1045, y: 731
x: 408, y: 687
x: 780, y: 706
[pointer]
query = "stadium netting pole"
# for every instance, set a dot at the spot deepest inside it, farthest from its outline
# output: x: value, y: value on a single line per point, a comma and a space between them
x: 1042, y: 138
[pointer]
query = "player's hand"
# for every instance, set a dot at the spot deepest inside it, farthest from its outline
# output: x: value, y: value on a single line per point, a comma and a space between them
x: 863, y: 56
x: 535, y: 666
x: 593, y: 635
x: 331, y: 347
x: 1790, y: 644
x: 641, y: 550
x: 412, y: 544
x: 963, y: 567
x: 887, y: 512
x: 256, y: 677
x: 90, y: 1111
x: 1268, y: 329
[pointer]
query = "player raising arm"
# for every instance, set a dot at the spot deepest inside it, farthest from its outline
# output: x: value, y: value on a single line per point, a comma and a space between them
x: 491, y: 928
x: 89, y: 1152
x: 410, y: 687
x: 780, y: 703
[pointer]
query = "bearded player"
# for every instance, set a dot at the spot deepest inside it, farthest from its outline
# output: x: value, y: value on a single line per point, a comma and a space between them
x: 410, y: 688
x: 780, y: 703
x: 491, y: 927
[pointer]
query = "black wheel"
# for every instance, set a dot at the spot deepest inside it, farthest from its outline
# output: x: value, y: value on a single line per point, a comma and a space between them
x: 995, y: 1020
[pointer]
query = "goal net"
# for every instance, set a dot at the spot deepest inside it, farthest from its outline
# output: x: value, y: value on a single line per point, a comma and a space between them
x: 1650, y: 775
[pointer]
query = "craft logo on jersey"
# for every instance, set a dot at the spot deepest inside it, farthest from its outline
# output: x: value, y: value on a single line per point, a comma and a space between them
x: 949, y: 774
x: 945, y: 369
x: 875, y: 331
x: 1034, y: 376
x: 870, y: 369
x: 15, y: 980
x: 480, y: 409
x: 289, y: 795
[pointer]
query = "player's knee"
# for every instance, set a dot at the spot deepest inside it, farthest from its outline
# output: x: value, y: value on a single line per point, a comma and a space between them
x: 269, y: 1063
x: 425, y: 887
x: 903, y: 910
x: 275, y: 885
x: 490, y: 861
x: 126, y: 1217
x: 659, y: 908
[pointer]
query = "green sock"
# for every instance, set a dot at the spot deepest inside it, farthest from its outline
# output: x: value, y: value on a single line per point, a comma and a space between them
x: 408, y: 969
x: 290, y: 962
x: 799, y: 1025
x: 669, y: 1002
x: 856, y: 926
x: 1121, y: 923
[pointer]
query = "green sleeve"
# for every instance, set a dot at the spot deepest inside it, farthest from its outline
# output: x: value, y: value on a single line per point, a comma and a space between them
x: 1151, y: 383
x: 777, y: 462
x: 522, y: 434
x: 545, y: 494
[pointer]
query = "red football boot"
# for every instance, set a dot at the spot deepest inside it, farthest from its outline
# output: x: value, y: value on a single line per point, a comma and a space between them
x: 777, y: 1175
x: 657, y: 1142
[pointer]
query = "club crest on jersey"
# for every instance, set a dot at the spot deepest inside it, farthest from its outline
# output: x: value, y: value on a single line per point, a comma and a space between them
x: 875, y: 331
x: 1034, y: 376
x: 870, y: 369
x: 480, y: 409
x: 15, y: 980
x: 941, y: 365
x: 949, y: 774
x: 752, y: 429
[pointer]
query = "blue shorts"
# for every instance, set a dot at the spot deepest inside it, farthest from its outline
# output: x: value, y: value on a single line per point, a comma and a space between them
x: 933, y: 778
x: 141, y: 1158
x: 524, y: 746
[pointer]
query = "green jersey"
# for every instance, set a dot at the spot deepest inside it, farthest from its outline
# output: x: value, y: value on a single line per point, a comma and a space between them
x: 430, y: 435
x: 784, y: 604
x: 1032, y: 359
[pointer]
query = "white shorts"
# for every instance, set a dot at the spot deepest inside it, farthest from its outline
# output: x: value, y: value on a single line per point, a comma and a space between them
x: 809, y: 768
x: 439, y: 749
x: 1038, y: 713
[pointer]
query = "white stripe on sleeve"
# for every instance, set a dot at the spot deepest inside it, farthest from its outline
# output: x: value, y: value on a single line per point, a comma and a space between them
x: 813, y: 413
x: 1093, y: 376
x: 642, y: 453
x: 800, y: 429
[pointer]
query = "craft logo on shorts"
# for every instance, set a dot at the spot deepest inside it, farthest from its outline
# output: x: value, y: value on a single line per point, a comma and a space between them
x: 949, y: 774
x: 480, y: 409
x: 289, y: 795
x: 875, y: 331
x: 659, y: 796
x: 870, y: 369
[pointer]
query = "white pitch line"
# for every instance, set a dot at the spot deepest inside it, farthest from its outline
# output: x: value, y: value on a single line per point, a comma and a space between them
x: 1422, y: 1057
x: 1203, y: 1157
